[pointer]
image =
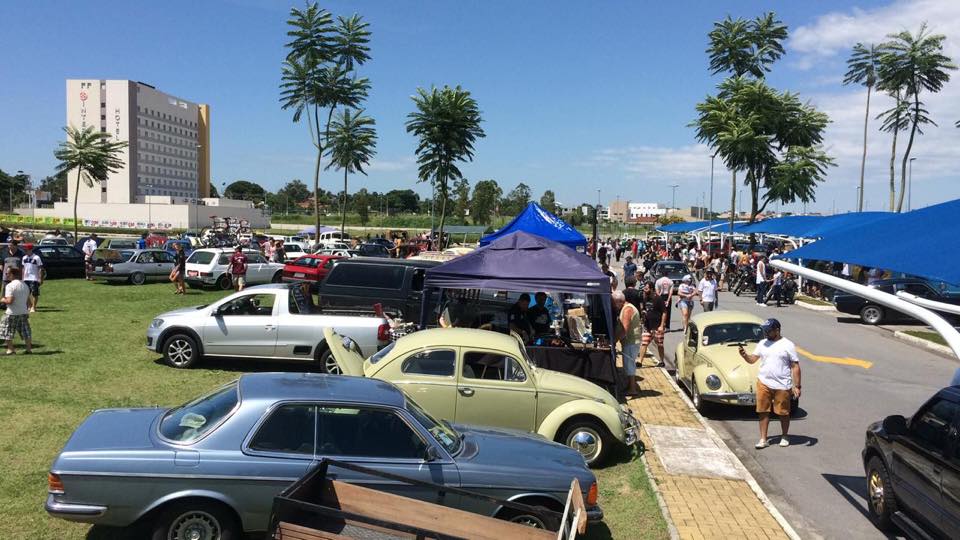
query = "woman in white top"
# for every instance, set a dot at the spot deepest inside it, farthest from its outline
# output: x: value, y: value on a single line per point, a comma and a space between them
x: 687, y: 292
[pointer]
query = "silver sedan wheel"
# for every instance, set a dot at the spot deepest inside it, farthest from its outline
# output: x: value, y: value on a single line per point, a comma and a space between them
x: 194, y: 525
x: 330, y: 364
x: 587, y: 441
x: 180, y: 352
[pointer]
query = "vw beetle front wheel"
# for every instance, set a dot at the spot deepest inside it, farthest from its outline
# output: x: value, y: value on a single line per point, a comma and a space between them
x: 589, y: 438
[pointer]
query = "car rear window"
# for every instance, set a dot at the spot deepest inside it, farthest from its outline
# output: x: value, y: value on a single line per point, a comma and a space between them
x: 200, y: 257
x: 378, y: 276
x: 192, y: 421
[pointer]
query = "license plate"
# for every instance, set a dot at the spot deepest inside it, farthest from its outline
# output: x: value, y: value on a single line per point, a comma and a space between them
x: 99, y: 269
x: 193, y: 273
x: 747, y: 400
x: 299, y: 274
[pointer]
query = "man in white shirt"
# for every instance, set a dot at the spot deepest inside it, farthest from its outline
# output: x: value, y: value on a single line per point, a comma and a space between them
x: 761, y: 281
x: 708, y: 291
x: 16, y: 320
x: 88, y: 248
x: 778, y: 379
x: 32, y: 266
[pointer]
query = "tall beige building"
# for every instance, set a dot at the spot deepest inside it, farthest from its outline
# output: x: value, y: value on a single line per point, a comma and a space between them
x: 168, y: 154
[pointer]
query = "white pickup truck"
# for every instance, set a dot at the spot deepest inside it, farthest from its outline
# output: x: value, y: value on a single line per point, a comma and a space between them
x: 276, y: 321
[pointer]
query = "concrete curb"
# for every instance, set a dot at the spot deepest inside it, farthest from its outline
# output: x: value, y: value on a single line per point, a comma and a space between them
x: 813, y: 307
x: 926, y: 343
x: 664, y: 509
x: 751, y: 481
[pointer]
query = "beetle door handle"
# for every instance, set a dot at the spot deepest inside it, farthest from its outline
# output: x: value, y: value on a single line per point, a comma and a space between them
x: 464, y: 391
x: 269, y: 327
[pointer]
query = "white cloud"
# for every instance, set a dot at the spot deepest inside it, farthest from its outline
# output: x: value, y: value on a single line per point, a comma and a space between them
x: 655, y: 163
x: 404, y: 164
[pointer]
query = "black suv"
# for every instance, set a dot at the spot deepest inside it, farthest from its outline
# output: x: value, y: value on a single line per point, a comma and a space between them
x: 913, y: 469
x: 872, y: 313
x: 358, y: 283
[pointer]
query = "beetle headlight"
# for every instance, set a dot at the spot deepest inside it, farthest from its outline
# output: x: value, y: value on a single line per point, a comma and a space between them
x: 156, y: 323
x: 713, y: 382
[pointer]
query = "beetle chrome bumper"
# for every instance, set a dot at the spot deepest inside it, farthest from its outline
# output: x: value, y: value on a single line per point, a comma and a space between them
x: 73, y: 512
x: 631, y: 426
x: 731, y: 398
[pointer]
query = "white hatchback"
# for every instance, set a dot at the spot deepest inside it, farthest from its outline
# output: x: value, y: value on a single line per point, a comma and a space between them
x: 208, y: 268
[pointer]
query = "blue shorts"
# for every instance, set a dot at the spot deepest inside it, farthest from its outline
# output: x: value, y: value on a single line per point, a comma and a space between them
x: 630, y: 353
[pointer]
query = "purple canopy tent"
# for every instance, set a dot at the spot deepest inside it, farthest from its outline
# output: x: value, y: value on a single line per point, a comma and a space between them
x: 523, y: 262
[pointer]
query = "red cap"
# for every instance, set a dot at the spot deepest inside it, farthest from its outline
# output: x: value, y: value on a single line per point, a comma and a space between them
x: 28, y: 246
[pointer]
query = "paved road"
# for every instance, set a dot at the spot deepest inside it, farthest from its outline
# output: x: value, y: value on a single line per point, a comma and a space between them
x: 818, y: 483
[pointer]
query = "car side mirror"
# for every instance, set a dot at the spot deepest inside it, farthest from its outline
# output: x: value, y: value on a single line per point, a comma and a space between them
x: 895, y: 425
x: 431, y: 454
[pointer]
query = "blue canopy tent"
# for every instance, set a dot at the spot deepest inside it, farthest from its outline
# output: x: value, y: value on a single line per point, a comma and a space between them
x: 918, y: 243
x: 814, y: 226
x: 787, y: 226
x: 535, y: 220
x: 683, y: 227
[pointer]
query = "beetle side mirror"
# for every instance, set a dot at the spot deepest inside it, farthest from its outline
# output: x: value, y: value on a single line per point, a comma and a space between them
x: 432, y: 454
x: 895, y: 425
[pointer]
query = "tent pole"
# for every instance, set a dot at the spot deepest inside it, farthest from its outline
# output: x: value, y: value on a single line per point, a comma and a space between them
x: 945, y: 329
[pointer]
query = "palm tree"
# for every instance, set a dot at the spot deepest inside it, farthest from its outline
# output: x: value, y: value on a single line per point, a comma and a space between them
x: 351, y: 143
x: 319, y: 73
x: 916, y: 64
x: 92, y: 154
x: 447, y: 123
x: 862, y: 69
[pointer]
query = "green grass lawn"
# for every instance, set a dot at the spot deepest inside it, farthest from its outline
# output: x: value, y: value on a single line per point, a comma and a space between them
x: 90, y: 354
x: 927, y: 335
x: 813, y: 301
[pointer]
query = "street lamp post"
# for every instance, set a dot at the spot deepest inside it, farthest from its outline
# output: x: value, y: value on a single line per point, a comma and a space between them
x: 149, y: 206
x: 857, y: 200
x: 673, y: 199
x: 910, y: 186
x: 433, y: 203
x: 710, y: 213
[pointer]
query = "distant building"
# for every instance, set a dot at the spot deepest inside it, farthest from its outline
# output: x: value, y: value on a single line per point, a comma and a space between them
x: 640, y: 210
x: 168, y: 151
x: 618, y: 211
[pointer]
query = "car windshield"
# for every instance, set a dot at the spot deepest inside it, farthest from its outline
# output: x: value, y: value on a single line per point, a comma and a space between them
x: 200, y: 257
x: 732, y: 333
x: 379, y: 355
x: 189, y: 422
x: 448, y: 437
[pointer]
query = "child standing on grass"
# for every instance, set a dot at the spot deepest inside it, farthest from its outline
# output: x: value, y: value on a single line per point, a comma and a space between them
x: 16, y: 296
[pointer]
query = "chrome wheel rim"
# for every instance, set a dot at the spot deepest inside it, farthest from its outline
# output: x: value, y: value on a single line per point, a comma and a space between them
x: 138, y: 279
x: 180, y: 352
x: 194, y: 525
x: 876, y: 492
x: 330, y: 364
x: 871, y: 315
x: 528, y: 520
x: 587, y: 442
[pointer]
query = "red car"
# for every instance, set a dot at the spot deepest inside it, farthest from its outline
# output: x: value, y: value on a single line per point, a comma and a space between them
x: 310, y: 268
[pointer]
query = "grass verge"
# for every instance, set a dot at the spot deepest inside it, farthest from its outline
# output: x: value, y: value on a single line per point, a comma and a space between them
x: 927, y: 335
x: 812, y: 301
x: 90, y: 354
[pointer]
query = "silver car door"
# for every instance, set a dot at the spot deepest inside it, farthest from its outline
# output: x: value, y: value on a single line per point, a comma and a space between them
x: 243, y: 326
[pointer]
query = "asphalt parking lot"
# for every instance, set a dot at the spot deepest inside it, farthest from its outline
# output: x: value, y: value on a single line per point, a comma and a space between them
x: 853, y: 375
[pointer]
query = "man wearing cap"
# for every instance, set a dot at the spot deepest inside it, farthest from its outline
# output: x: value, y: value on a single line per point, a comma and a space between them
x: 778, y: 379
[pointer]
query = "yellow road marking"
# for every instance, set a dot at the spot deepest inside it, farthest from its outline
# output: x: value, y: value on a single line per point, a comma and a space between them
x: 846, y: 361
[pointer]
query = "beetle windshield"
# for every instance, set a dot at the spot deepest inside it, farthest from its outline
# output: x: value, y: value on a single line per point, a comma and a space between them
x: 732, y: 333
x: 189, y: 422
x: 442, y: 432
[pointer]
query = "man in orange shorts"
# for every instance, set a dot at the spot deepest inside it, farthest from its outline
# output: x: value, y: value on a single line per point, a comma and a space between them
x: 777, y: 380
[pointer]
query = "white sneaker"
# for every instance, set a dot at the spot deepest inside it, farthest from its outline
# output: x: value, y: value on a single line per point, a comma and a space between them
x: 784, y: 442
x: 762, y: 443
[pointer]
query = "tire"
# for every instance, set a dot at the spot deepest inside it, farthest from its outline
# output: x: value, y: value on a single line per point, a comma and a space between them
x: 196, y: 519
x: 326, y: 362
x: 871, y: 314
x: 224, y: 283
x: 703, y: 407
x: 588, y: 437
x: 180, y: 351
x: 520, y: 517
x: 881, y: 501
x: 138, y: 278
x: 277, y: 278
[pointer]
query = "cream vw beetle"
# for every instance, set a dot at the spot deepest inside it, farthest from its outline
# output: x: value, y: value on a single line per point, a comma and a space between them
x: 709, y: 364
x: 481, y: 377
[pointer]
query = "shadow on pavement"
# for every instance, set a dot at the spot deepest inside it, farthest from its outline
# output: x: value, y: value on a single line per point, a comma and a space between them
x: 748, y: 414
x: 242, y: 365
x: 854, y: 490
x: 598, y: 531
x: 796, y: 440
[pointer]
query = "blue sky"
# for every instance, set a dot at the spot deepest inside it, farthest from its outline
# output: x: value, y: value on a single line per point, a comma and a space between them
x: 575, y: 96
